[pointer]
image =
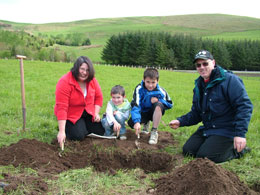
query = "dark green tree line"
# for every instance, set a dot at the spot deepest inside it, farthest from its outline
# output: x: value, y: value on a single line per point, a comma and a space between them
x: 177, y: 51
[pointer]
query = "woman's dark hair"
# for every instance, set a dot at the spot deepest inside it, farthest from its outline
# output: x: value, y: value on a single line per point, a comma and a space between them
x: 78, y: 63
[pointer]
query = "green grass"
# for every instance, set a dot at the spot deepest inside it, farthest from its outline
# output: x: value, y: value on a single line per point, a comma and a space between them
x: 40, y: 82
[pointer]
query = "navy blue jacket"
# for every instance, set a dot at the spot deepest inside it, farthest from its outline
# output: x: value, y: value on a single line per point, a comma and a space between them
x: 222, y: 105
x: 142, y: 100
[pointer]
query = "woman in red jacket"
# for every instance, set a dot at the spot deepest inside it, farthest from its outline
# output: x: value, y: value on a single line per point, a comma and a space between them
x: 78, y: 102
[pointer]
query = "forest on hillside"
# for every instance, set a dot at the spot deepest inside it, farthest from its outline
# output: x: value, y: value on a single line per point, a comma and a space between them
x: 177, y: 51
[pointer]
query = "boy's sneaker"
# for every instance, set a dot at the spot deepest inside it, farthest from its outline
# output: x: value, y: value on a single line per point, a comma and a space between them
x: 154, y: 137
x: 122, y: 137
x: 146, y: 128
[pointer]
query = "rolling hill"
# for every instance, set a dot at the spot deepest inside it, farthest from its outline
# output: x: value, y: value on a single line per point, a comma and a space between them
x: 215, y: 26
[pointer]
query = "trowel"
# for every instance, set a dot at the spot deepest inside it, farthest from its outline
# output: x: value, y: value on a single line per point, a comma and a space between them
x: 137, y: 142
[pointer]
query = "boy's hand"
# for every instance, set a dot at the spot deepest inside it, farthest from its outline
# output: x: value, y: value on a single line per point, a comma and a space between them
x: 117, y: 126
x: 174, y: 124
x: 154, y: 100
x: 114, y: 113
x: 137, y: 128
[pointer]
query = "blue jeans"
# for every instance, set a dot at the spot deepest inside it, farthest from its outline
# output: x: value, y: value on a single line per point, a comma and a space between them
x: 109, y: 128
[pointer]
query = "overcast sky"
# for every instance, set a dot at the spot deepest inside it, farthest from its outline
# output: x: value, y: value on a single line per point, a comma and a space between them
x: 45, y: 11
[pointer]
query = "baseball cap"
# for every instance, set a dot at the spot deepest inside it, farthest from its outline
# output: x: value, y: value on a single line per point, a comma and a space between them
x: 203, y: 54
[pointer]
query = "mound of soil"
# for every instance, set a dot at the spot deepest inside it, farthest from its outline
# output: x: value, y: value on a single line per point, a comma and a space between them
x: 199, y: 177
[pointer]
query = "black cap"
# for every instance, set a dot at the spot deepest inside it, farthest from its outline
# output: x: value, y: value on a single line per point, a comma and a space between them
x: 203, y: 54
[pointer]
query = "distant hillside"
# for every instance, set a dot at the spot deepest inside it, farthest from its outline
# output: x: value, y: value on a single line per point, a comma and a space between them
x: 99, y: 29
x: 213, y: 26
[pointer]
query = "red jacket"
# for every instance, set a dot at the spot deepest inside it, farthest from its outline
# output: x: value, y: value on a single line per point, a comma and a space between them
x: 70, y: 102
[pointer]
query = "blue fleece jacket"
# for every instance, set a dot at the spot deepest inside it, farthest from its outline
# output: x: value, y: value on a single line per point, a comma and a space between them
x: 142, y: 100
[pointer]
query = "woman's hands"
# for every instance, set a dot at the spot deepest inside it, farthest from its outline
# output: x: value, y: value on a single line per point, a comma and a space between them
x: 61, y: 137
x: 97, y: 117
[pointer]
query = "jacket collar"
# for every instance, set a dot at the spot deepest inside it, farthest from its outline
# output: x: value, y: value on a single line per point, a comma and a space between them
x: 217, y: 75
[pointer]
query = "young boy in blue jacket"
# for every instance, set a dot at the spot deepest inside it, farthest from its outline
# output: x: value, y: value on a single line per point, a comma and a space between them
x: 149, y: 104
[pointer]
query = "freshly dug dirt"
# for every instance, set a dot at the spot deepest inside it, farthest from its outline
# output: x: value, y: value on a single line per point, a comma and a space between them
x: 103, y: 154
x: 91, y: 151
x: 201, y: 177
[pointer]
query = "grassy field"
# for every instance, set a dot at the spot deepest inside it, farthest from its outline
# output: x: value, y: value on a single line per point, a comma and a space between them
x: 40, y: 82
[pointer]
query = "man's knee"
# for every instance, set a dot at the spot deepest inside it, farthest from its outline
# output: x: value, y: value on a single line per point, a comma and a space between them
x: 217, y: 157
x: 187, y: 151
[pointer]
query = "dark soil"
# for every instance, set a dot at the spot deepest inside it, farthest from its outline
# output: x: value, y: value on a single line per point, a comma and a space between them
x: 197, y: 177
x: 201, y: 177
x: 103, y: 154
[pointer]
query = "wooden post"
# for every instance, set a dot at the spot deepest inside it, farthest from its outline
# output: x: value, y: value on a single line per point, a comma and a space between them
x: 22, y: 89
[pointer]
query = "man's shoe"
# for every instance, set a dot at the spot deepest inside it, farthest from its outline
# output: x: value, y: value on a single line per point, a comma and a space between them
x: 154, y: 137
x: 246, y: 150
x: 243, y: 152
x: 146, y: 128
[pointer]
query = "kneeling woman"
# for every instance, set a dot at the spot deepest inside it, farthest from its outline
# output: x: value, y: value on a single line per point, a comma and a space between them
x: 78, y: 102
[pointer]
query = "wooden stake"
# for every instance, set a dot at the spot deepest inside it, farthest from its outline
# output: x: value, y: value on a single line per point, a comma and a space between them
x: 22, y: 89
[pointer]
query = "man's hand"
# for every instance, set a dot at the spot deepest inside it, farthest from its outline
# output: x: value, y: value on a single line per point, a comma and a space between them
x: 154, y: 100
x: 137, y: 128
x: 174, y: 124
x: 239, y: 143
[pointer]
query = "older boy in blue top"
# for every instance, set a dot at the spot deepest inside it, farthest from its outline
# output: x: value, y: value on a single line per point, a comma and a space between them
x: 149, y: 104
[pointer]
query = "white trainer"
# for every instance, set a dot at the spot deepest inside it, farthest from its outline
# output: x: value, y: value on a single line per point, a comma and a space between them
x: 154, y: 137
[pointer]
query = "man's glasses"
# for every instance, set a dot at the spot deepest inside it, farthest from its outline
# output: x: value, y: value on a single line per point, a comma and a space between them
x: 203, y: 64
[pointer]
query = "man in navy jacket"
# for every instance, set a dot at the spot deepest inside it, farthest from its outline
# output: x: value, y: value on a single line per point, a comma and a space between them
x: 221, y: 103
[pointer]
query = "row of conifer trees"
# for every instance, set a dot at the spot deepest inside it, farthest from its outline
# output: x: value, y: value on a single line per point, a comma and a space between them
x: 177, y: 51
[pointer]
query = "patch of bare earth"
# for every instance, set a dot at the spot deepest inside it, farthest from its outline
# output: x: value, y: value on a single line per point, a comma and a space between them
x: 94, y: 152
x: 200, y: 176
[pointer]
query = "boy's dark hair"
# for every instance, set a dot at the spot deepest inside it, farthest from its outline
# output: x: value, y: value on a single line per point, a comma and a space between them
x: 151, y: 73
x: 118, y: 89
x: 78, y: 63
